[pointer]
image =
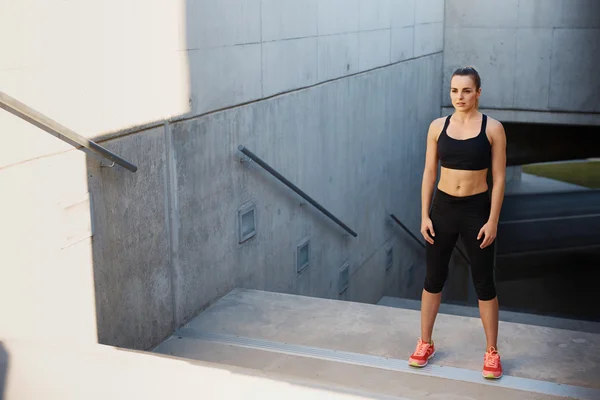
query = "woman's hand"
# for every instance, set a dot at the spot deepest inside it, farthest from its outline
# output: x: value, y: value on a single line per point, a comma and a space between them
x: 427, y: 229
x: 488, y: 232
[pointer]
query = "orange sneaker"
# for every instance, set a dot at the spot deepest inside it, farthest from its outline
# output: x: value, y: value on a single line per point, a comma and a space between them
x: 422, y: 354
x: 492, y: 367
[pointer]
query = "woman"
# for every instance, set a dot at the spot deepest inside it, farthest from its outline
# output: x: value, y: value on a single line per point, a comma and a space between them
x: 467, y: 143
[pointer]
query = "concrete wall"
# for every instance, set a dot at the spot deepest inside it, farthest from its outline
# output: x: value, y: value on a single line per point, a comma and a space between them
x: 336, y: 95
x: 538, y: 59
x: 342, y: 144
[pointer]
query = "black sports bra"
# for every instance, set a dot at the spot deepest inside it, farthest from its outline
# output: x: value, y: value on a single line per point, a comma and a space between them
x: 467, y: 154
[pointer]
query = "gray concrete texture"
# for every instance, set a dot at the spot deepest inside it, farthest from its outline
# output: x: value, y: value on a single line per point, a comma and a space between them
x: 528, y: 351
x: 381, y: 383
x: 270, y: 47
x: 142, y: 253
x: 132, y: 269
x: 504, y: 315
x: 531, y: 54
x: 341, y: 143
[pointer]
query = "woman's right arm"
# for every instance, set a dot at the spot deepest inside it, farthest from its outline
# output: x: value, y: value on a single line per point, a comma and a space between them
x: 429, y: 179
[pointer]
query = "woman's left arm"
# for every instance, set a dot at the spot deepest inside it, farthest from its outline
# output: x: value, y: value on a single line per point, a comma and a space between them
x: 498, y: 141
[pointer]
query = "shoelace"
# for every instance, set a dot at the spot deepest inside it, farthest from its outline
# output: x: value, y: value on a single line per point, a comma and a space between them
x: 492, y: 359
x: 421, y: 348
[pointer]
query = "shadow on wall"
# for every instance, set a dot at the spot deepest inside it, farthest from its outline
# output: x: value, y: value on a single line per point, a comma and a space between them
x: 139, y: 291
x: 135, y: 280
x: 131, y: 214
x: 3, y: 369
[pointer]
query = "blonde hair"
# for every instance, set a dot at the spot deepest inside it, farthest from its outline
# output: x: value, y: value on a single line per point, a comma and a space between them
x: 473, y: 74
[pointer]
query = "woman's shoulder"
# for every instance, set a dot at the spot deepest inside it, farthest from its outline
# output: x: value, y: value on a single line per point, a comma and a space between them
x: 435, y: 128
x: 495, y: 131
x: 494, y: 126
x: 438, y: 123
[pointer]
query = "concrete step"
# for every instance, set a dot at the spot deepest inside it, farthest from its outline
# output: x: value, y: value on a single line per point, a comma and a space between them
x: 66, y: 371
x: 506, y: 316
x: 365, y: 347
x: 552, y: 204
x: 549, y: 222
x: 372, y: 376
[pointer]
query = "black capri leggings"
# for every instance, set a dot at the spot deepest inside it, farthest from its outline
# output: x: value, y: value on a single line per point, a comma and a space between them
x: 452, y: 216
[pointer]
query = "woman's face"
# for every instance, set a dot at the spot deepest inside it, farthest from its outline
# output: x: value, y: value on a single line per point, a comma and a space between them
x: 463, y: 93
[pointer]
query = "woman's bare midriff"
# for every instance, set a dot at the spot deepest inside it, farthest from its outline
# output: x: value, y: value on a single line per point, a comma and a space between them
x: 461, y: 183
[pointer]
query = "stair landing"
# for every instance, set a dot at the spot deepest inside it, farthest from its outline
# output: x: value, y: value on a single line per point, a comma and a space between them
x: 365, y: 347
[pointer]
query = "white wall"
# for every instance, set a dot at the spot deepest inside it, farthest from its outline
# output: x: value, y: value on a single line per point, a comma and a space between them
x: 94, y: 66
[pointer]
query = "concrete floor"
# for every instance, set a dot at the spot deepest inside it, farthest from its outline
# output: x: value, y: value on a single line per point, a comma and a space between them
x: 377, y: 383
x: 505, y: 315
x: 534, y: 352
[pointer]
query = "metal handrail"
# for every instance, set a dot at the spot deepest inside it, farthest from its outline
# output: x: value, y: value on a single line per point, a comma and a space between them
x: 289, y: 184
x: 65, y: 134
x: 419, y: 241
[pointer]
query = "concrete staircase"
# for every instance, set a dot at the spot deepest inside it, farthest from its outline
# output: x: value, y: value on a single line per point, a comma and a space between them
x: 361, y: 349
x: 253, y: 344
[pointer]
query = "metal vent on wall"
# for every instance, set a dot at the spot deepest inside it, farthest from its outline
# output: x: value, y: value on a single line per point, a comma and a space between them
x: 302, y: 255
x: 247, y: 222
